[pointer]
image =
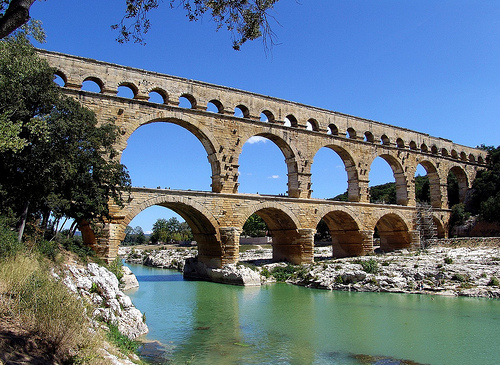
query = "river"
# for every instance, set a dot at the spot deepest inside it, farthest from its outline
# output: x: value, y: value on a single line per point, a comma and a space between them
x: 208, y: 323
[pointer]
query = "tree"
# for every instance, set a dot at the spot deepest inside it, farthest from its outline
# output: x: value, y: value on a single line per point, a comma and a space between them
x: 486, y: 188
x: 63, y: 164
x: 165, y: 231
x: 255, y: 226
x: 245, y: 19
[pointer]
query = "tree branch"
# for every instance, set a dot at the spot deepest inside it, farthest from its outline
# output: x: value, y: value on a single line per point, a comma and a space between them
x: 17, y: 14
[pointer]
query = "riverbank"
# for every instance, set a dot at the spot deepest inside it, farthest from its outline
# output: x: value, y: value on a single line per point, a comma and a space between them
x: 66, y: 312
x: 472, y: 270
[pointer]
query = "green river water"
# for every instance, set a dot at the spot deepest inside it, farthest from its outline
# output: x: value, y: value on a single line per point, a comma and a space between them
x: 208, y: 323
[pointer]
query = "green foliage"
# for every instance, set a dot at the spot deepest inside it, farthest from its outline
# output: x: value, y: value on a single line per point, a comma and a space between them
x: 116, y: 267
x: 283, y: 273
x: 486, y: 188
x: 120, y: 340
x: 166, y: 231
x: 458, y: 215
x: 49, y: 249
x: 134, y: 236
x: 245, y: 19
x: 62, y: 164
x: 265, y: 272
x: 75, y: 245
x: 369, y: 266
x: 422, y: 189
x: 9, y: 245
x: 255, y: 226
x: 494, y: 281
x: 448, y: 260
x: 385, y: 193
x: 459, y: 277
x: 339, y: 279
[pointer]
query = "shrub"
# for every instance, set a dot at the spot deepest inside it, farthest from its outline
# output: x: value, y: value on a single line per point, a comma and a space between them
x: 494, y: 281
x: 283, y: 273
x: 49, y: 249
x: 9, y: 246
x: 120, y: 340
x: 339, y: 280
x: 265, y: 272
x: 459, y: 277
x: 369, y: 266
x: 448, y: 260
x: 116, y: 268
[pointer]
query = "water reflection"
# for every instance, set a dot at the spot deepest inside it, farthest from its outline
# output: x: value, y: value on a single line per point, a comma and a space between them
x: 207, y: 323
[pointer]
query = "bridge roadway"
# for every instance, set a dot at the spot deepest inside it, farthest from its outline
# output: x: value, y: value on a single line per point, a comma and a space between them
x: 223, y: 119
x: 217, y: 220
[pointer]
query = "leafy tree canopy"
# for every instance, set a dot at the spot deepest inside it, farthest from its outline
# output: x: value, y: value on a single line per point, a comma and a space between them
x: 486, y: 188
x: 245, y: 19
x: 54, y: 159
x: 165, y: 231
x: 255, y: 226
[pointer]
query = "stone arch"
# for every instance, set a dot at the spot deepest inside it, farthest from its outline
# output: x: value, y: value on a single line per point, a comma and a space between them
x: 480, y: 160
x: 463, y: 181
x: 293, y: 121
x: 97, y: 80
x: 131, y: 86
x: 424, y: 148
x: 218, y: 105
x: 413, y: 145
x: 244, y: 110
x: 290, y: 160
x: 351, y: 133
x: 434, y: 149
x: 400, y: 143
x: 191, y: 99
x: 434, y: 183
x: 369, y: 137
x: 385, y: 140
x: 160, y: 92
x: 399, y: 177
x: 347, y: 240
x: 63, y: 77
x: 393, y: 232
x: 283, y: 228
x: 353, y: 188
x: 444, y: 152
x: 463, y: 156
x: 333, y: 130
x: 205, y: 137
x: 269, y: 115
x: 314, y: 124
x: 454, y: 154
x: 202, y: 223
x: 472, y: 158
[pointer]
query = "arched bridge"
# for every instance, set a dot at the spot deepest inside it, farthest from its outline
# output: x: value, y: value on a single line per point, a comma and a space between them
x: 217, y: 217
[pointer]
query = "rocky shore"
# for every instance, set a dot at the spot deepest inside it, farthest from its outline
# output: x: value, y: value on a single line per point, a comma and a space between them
x: 472, y: 271
x: 99, y: 286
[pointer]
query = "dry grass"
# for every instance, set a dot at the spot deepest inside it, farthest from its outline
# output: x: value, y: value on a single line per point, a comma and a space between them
x: 43, y: 308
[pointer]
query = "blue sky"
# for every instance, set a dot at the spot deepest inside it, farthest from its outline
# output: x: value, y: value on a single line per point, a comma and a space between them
x: 431, y: 66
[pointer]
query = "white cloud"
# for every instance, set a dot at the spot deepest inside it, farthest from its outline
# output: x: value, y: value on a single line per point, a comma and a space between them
x: 257, y: 139
x: 274, y: 177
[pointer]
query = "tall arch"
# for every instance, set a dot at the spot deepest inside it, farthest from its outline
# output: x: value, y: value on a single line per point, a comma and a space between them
x: 353, y: 189
x: 283, y: 228
x: 463, y: 182
x: 347, y: 239
x: 202, y: 223
x: 293, y: 184
x: 206, y: 139
x: 393, y: 233
x: 434, y: 184
x: 399, y: 177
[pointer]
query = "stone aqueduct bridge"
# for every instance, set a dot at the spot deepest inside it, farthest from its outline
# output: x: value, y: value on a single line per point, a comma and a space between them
x: 217, y: 217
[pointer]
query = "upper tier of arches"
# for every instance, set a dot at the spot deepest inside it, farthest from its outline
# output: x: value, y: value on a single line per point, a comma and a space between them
x: 168, y: 90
